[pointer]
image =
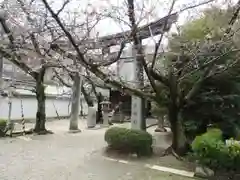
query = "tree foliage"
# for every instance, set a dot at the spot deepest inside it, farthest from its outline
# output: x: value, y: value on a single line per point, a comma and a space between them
x: 211, y: 24
x: 218, y: 99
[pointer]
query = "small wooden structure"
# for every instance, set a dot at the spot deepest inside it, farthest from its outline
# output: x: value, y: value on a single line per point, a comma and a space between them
x: 117, y: 97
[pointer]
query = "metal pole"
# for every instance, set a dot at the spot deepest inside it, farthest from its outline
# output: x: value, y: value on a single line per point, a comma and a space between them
x: 23, y: 119
x: 9, y: 105
x: 10, y: 124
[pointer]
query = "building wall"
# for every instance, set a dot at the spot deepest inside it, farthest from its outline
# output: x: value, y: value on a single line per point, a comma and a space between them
x: 63, y: 107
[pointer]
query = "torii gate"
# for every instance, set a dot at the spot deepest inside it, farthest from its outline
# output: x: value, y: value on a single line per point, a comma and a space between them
x: 152, y: 29
x: 105, y: 42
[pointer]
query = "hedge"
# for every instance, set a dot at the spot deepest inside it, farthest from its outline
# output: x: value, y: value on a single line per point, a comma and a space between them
x: 129, y: 141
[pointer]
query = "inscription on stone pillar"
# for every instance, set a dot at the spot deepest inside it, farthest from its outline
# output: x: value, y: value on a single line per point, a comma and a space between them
x: 136, y: 109
x: 136, y: 114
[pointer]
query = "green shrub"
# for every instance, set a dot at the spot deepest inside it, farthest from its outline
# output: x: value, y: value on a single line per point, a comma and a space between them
x: 210, y: 150
x: 129, y: 141
x: 3, y: 124
x: 233, y: 152
x: 214, y: 133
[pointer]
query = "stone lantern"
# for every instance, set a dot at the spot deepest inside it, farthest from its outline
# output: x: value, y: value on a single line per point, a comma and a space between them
x: 105, y: 111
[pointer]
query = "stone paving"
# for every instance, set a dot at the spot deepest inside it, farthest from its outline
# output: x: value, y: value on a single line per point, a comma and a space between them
x: 64, y: 156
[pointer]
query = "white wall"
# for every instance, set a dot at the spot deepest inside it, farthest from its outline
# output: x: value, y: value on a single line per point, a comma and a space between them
x: 30, y: 107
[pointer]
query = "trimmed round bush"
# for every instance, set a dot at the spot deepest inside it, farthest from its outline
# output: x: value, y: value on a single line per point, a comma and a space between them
x: 129, y: 141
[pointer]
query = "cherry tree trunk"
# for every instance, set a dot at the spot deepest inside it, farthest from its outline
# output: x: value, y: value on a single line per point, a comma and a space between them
x: 41, y: 98
x: 179, y: 140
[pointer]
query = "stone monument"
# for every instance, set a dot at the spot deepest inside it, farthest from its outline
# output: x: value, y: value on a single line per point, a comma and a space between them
x: 137, y: 108
x: 91, y: 117
x: 105, y: 112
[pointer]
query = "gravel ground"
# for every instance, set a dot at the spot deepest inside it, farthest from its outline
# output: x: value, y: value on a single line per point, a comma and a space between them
x: 64, y: 156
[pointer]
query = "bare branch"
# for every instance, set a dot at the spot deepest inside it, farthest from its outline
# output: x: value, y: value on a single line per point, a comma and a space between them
x: 107, y: 61
x: 63, y: 6
x: 115, y: 59
x: 208, y: 64
x: 161, y: 37
x: 7, y: 31
x: 106, y: 78
x: 234, y: 18
x: 159, y: 77
x: 195, y: 5
x: 67, y: 33
x: 61, y: 79
x: 15, y: 59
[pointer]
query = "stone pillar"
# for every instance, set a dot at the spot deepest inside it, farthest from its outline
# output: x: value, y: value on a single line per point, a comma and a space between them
x: 138, y: 104
x: 91, y: 117
x: 105, y: 118
x: 136, y: 115
x: 76, y: 90
x: 105, y: 112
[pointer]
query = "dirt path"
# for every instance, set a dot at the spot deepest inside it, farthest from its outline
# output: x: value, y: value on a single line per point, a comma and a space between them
x: 64, y: 156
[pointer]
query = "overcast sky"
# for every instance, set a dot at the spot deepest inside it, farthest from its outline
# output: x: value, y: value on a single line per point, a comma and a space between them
x: 153, y: 10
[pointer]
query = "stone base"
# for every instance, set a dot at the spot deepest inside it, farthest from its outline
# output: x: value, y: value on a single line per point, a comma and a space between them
x: 158, y: 129
x: 90, y: 127
x: 203, y: 172
x: 104, y: 125
x: 74, y: 131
